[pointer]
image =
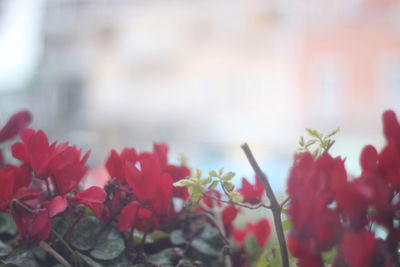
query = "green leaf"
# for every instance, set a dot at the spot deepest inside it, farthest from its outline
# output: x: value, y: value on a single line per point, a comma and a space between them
x: 284, y: 211
x: 220, y: 172
x: 39, y: 253
x: 301, y: 142
x: 198, y: 173
x: 287, y: 225
x: 263, y: 260
x: 310, y: 143
x: 205, y: 181
x: 22, y: 257
x: 7, y: 224
x: 213, y: 185
x: 228, y: 186
x: 85, y: 233
x: 204, y: 247
x: 333, y: 132
x: 314, y: 133
x: 162, y: 258
x: 209, y: 232
x: 89, y: 261
x: 5, y: 249
x: 183, y: 182
x: 177, y: 237
x: 236, y: 196
x: 213, y: 173
x: 228, y: 176
x: 157, y: 234
x: 109, y: 245
x: 328, y: 256
x: 122, y: 261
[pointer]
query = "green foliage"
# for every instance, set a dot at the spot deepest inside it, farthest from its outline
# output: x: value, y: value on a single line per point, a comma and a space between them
x: 318, y: 142
x: 328, y: 256
x: 22, y: 257
x: 85, y: 233
x: 198, y: 185
x: 7, y: 224
x: 269, y: 258
x: 109, y: 245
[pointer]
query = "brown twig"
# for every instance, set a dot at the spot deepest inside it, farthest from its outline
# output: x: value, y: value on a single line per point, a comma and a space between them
x: 275, y: 206
x: 54, y: 253
x: 231, y: 202
x: 283, y: 203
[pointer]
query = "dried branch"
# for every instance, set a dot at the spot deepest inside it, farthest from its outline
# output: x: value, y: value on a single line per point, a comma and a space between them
x: 275, y: 206
x: 54, y: 253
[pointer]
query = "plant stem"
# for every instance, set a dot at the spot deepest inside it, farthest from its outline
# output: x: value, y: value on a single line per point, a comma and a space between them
x: 231, y: 202
x: 54, y: 253
x: 275, y: 206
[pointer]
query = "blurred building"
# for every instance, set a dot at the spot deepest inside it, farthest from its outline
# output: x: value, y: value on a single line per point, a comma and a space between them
x: 208, y: 75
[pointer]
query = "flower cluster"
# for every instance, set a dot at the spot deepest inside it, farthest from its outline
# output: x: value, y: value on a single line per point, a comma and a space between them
x: 356, y: 216
x: 140, y: 191
x: 41, y: 187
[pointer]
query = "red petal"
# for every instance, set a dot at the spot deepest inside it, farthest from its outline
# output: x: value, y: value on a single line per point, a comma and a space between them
x: 127, y: 216
x: 129, y: 154
x: 114, y: 165
x: 93, y: 194
x: 20, y: 151
x: 239, y: 235
x: 38, y: 148
x: 40, y: 227
x: 57, y: 205
x: 161, y: 150
x: 261, y: 231
x: 369, y: 158
x: 358, y: 248
x: 391, y: 127
x: 229, y: 214
x: 15, y: 124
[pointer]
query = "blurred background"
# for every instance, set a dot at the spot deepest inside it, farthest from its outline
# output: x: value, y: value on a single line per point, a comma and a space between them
x: 203, y: 76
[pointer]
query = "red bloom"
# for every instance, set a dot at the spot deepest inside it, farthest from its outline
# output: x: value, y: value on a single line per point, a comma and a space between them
x: 252, y: 193
x: 229, y: 214
x: 40, y: 226
x: 151, y: 186
x: 12, y: 178
x: 116, y: 163
x: 358, y: 248
x: 57, y: 205
x: 261, y: 231
x: 93, y: 197
x: 127, y: 217
x: 176, y: 172
x: 62, y: 163
x: 14, y: 125
x: 210, y: 202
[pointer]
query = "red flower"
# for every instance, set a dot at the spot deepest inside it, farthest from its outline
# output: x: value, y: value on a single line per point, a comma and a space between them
x: 116, y: 163
x: 93, y: 197
x: 176, y: 172
x: 62, y: 163
x: 210, y: 202
x: 229, y: 214
x: 358, y: 248
x: 57, y: 205
x: 14, y: 125
x: 252, y: 193
x: 312, y: 186
x: 12, y: 178
x: 261, y: 231
x: 150, y: 185
x: 40, y: 226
